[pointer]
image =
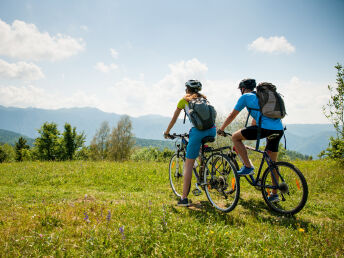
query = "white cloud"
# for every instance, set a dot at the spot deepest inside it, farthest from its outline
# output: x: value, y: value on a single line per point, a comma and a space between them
x: 32, y: 96
x: 304, y: 101
x: 114, y: 53
x: 24, y: 41
x: 135, y: 97
x: 272, y: 45
x: 100, y: 66
x: 20, y: 70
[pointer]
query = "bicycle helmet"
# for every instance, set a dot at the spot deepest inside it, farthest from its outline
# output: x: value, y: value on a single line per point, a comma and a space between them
x: 249, y: 84
x: 194, y: 85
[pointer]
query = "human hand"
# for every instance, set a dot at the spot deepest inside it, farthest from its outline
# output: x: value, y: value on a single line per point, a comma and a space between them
x: 220, y: 132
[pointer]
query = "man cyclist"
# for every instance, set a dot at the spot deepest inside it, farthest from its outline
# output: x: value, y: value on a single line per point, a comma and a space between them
x: 195, y: 135
x: 271, y: 129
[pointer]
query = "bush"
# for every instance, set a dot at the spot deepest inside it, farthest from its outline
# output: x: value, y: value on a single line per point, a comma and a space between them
x: 335, y: 150
x: 152, y: 154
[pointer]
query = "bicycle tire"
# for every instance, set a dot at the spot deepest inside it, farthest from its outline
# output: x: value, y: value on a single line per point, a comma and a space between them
x: 176, y: 174
x: 222, y: 184
x: 293, y: 189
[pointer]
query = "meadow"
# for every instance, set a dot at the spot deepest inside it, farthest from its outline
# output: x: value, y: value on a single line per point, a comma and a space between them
x: 85, y: 208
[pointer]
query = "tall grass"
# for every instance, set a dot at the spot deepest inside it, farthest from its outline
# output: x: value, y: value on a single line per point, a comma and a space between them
x: 127, y: 209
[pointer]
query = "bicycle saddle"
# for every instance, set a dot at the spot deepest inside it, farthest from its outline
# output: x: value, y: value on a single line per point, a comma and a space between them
x: 208, y: 139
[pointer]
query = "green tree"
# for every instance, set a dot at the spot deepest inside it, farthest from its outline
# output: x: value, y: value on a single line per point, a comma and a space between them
x: 7, y: 153
x: 20, y: 147
x: 3, y: 155
x: 71, y: 141
x: 334, y: 111
x: 99, y: 144
x: 48, y: 144
x: 121, y: 140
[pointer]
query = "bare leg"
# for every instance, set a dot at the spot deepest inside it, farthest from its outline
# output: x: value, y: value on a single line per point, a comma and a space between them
x: 237, y: 139
x: 273, y: 157
x: 187, y: 176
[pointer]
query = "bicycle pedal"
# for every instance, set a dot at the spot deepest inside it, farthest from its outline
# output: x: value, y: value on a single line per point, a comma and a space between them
x: 196, y: 192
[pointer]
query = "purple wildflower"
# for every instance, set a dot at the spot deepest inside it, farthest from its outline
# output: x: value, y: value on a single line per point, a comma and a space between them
x: 108, y: 217
x: 121, y: 229
x: 86, y: 216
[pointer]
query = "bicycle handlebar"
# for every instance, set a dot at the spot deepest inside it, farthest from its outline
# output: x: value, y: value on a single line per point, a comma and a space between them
x: 174, y: 135
x: 225, y: 134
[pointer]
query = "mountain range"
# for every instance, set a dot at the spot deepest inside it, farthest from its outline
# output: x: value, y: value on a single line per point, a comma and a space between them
x: 308, y: 139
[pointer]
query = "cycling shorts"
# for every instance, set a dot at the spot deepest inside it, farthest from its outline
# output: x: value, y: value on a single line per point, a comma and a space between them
x: 195, y: 141
x: 273, y: 137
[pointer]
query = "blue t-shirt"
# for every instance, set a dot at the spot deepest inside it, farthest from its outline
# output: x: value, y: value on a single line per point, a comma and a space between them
x: 250, y: 100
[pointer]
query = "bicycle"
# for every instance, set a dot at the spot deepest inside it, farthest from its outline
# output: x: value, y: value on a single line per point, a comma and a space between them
x: 216, y: 173
x: 292, y: 188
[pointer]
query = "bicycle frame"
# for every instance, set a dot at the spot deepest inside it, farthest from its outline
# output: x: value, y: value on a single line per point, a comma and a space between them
x: 266, y: 158
x: 202, y: 156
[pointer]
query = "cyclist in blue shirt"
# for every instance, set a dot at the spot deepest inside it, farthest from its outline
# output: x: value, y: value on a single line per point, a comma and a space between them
x: 271, y: 129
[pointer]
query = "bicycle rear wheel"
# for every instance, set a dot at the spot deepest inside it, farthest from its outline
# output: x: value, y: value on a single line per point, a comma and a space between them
x: 222, y: 185
x: 292, y: 188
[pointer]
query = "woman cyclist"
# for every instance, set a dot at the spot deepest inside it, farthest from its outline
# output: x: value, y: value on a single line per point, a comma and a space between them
x: 195, y: 136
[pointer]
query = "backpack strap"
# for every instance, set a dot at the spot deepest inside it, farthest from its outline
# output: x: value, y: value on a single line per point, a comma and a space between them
x: 285, y: 139
x: 184, y: 116
x: 259, y: 131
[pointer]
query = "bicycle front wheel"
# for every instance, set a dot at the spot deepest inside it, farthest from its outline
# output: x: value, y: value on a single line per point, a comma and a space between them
x: 291, y: 188
x: 221, y: 181
x: 176, y: 174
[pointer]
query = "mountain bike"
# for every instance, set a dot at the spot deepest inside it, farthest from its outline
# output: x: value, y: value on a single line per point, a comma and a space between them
x: 215, y: 172
x: 282, y: 177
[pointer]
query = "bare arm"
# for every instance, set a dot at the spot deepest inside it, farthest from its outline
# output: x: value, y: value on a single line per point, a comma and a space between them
x: 173, y: 120
x: 229, y: 119
x: 254, y: 122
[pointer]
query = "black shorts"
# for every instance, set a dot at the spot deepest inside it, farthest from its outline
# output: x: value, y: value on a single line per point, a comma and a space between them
x: 272, y: 136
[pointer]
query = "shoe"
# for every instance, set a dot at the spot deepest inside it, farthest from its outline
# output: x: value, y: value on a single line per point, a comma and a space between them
x: 183, y: 202
x: 245, y: 171
x: 273, y: 198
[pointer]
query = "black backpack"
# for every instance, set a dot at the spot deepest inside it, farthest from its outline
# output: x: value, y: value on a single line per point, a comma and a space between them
x: 271, y: 105
x: 270, y: 101
x: 202, y: 115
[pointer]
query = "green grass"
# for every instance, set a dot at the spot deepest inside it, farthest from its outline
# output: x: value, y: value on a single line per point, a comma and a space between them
x: 128, y: 209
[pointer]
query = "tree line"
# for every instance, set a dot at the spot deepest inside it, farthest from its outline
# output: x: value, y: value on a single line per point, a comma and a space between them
x: 113, y: 144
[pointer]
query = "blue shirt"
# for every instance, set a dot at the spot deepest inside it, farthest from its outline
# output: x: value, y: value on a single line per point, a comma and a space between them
x: 250, y: 100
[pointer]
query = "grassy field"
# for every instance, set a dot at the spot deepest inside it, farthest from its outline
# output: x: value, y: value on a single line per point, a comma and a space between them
x: 128, y: 209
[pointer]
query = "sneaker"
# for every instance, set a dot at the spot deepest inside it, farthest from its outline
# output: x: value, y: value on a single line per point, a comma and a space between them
x: 245, y: 171
x: 183, y: 202
x: 273, y: 198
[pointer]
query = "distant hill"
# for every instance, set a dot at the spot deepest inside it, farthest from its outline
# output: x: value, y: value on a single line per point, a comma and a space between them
x: 308, y: 139
x: 27, y: 120
x: 12, y: 137
x: 161, y: 144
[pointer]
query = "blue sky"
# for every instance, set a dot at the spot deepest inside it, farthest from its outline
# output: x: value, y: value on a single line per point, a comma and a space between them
x: 133, y: 57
